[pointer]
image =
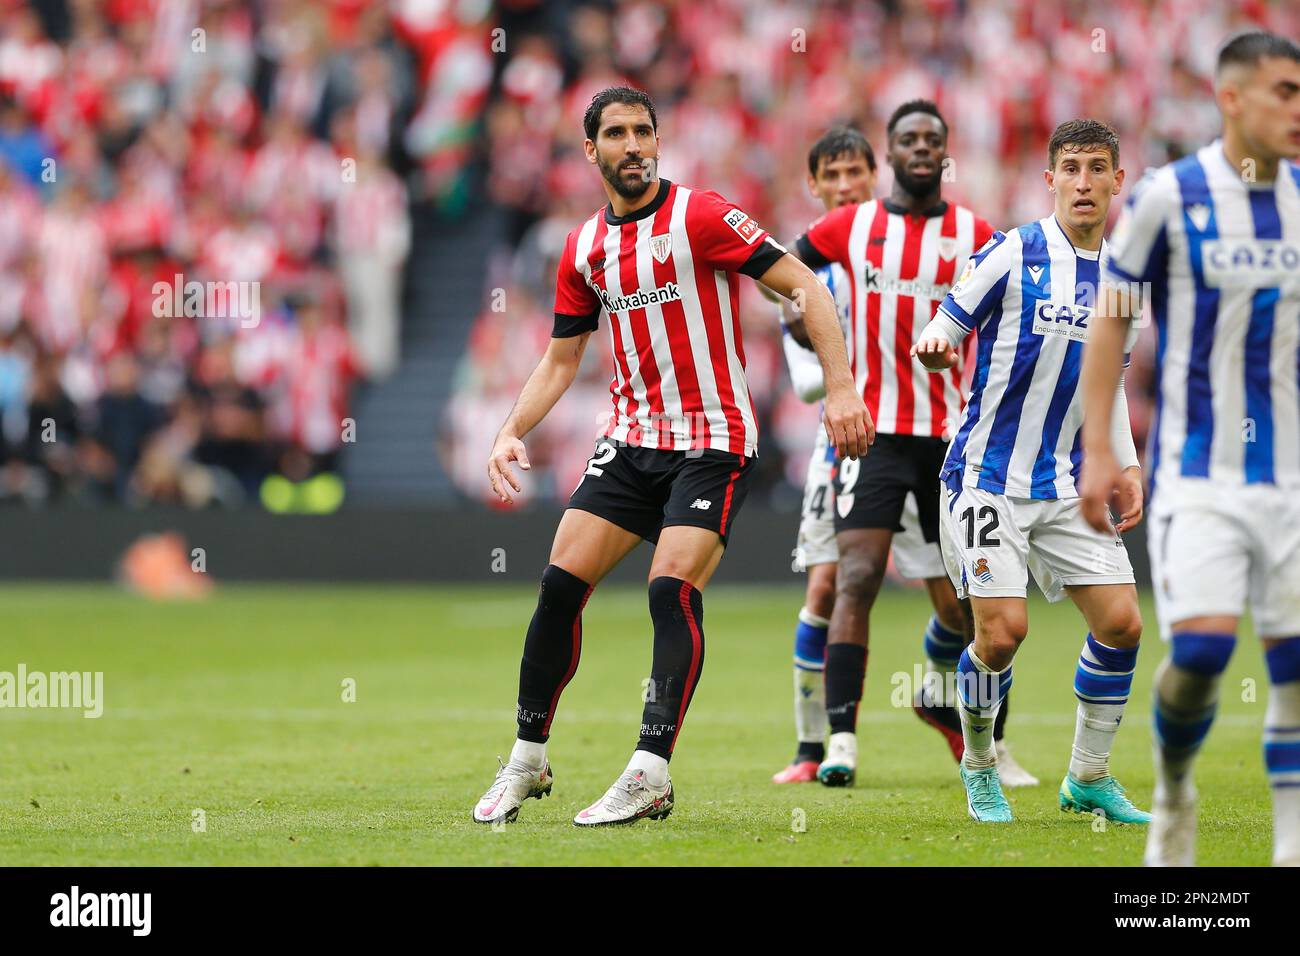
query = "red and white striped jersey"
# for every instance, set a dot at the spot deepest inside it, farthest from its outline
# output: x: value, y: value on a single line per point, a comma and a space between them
x: 900, y: 266
x: 666, y: 276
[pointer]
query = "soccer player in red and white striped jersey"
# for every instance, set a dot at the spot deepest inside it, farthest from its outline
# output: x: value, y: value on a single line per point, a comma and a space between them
x: 660, y: 264
x: 901, y: 255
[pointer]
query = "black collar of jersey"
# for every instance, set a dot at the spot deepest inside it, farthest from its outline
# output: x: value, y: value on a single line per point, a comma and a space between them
x: 649, y: 209
x: 898, y: 210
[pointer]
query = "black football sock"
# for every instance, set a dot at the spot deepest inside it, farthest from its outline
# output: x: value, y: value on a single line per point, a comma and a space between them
x: 551, y: 651
x: 810, y: 751
x: 846, y: 668
x: 1000, y: 724
x: 677, y: 610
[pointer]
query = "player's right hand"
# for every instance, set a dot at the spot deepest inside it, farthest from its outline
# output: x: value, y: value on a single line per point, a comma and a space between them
x: 506, y: 450
x: 848, y: 424
x: 1098, y: 482
x: 935, y: 354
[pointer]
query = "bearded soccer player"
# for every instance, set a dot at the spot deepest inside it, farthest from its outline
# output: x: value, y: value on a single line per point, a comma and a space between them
x: 900, y: 256
x: 661, y: 264
x: 1011, y: 503
x: 1210, y: 245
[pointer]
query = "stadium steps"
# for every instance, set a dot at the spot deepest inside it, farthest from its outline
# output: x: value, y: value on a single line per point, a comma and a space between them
x: 394, y: 462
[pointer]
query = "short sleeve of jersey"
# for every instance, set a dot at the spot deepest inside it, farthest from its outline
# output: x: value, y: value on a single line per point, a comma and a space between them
x: 1138, y: 244
x: 982, y: 284
x: 727, y: 238
x: 577, y: 310
x: 827, y: 239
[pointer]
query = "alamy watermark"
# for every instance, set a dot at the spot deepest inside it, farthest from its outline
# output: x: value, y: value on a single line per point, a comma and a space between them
x: 71, y: 690
x: 979, y: 689
x: 209, y: 300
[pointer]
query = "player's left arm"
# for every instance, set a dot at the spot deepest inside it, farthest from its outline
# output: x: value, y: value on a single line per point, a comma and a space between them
x: 1137, y: 255
x: 1127, y: 499
x: 848, y: 423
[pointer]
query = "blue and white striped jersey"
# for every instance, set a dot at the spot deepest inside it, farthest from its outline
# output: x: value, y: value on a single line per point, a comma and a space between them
x: 1221, y: 256
x: 1029, y: 295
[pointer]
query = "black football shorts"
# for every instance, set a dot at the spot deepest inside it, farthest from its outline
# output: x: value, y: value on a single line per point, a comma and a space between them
x: 644, y: 490
x: 871, y: 492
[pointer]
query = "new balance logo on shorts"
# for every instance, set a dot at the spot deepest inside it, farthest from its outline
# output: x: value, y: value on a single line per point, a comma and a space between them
x: 701, y: 504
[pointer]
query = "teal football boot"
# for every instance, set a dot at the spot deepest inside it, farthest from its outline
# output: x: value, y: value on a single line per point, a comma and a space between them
x: 1105, y: 795
x: 984, y: 798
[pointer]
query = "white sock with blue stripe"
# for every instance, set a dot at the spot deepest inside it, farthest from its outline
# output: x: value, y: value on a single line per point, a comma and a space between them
x: 1282, y: 748
x: 1102, y: 680
x: 809, y: 684
x: 980, y: 691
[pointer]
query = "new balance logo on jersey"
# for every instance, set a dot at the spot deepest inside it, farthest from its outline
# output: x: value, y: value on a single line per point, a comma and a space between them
x: 1070, y: 321
x: 1250, y: 263
x: 668, y: 292
x: 701, y: 504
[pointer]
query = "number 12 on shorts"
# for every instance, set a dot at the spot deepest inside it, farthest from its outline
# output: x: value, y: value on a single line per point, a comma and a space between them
x: 989, y: 516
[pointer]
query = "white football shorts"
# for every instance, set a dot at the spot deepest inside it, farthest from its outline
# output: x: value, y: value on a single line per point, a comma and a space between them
x: 991, y: 541
x: 1219, y: 550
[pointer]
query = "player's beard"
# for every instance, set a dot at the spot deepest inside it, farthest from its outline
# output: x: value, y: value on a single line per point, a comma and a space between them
x: 916, y: 186
x: 628, y: 189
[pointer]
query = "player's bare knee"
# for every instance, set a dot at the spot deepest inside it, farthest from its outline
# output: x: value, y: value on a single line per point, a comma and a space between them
x: 858, y: 579
x: 1000, y: 647
x: 820, y: 599
x: 998, y: 636
x: 1123, y: 628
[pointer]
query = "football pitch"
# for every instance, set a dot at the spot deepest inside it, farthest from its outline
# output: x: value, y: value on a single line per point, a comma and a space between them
x: 227, y: 738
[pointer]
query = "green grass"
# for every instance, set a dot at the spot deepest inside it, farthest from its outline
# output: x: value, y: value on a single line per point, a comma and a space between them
x: 233, y: 706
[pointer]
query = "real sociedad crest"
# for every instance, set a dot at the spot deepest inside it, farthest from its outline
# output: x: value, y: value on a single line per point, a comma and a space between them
x: 661, y: 247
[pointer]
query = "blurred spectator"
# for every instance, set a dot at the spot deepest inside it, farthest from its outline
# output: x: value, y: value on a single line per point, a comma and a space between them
x: 154, y: 145
x: 373, y: 236
x: 123, y: 420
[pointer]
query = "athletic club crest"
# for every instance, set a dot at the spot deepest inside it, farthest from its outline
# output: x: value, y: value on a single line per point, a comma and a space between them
x: 661, y: 247
x: 947, y: 247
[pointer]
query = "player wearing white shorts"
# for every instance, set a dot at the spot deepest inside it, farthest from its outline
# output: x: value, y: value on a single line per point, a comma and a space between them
x: 1211, y: 245
x: 842, y: 170
x: 1009, y: 504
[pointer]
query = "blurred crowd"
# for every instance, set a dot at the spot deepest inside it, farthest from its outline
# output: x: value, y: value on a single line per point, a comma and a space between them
x: 268, y: 149
x: 743, y: 88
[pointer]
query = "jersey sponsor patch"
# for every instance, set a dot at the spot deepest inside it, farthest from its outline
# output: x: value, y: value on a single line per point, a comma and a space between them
x: 668, y: 292
x: 1070, y: 321
x: 745, y: 227
x: 1249, y: 263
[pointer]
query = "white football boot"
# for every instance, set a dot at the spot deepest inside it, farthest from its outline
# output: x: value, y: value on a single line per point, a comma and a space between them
x: 841, y: 763
x: 628, y: 800
x: 1009, y: 772
x: 1171, y: 834
x: 514, y: 783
